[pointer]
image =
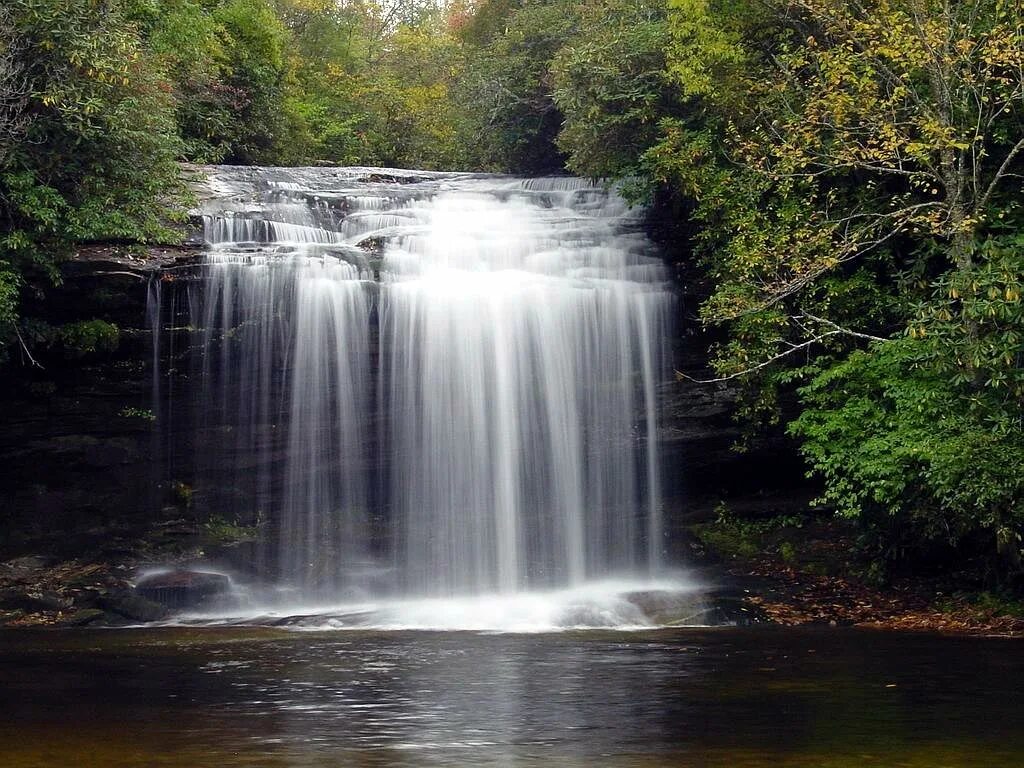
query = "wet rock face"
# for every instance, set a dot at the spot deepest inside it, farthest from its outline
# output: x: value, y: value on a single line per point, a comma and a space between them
x: 183, y: 589
x: 76, y: 431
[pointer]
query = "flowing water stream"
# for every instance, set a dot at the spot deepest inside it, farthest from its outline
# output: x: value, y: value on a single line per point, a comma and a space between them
x: 424, y: 385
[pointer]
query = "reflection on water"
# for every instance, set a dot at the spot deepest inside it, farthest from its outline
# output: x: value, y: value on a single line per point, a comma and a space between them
x: 750, y: 697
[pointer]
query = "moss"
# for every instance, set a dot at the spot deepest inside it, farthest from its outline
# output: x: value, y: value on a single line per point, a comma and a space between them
x: 182, y: 493
x: 787, y: 552
x: 222, y: 531
x: 727, y: 541
x: 731, y: 536
x: 137, y: 413
x: 985, y: 604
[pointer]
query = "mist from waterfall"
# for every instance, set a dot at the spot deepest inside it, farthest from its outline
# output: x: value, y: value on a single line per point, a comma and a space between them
x: 439, y: 387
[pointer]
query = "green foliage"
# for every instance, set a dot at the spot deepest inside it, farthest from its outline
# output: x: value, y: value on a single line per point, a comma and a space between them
x: 223, y: 531
x: 98, y: 156
x: 851, y: 170
x: 409, y: 117
x: 830, y: 133
x: 922, y: 437
x: 89, y: 337
x: 987, y: 604
x: 733, y: 536
x: 182, y: 493
x: 850, y: 167
x: 611, y: 85
x: 185, y: 43
x: 100, y: 101
x: 256, y: 123
x: 10, y: 284
x: 137, y: 413
x: 512, y: 121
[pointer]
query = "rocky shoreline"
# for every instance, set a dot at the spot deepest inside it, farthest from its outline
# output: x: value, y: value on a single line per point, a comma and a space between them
x: 763, y: 589
x: 810, y: 575
x: 37, y: 590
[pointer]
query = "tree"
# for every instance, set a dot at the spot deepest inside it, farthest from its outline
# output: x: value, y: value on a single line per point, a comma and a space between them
x: 97, y: 159
x: 253, y: 104
x: 852, y: 165
x: 611, y: 86
x: 187, y: 45
x: 407, y: 98
x: 864, y: 126
x: 14, y: 87
x: 14, y: 92
x: 910, y: 443
x: 512, y: 121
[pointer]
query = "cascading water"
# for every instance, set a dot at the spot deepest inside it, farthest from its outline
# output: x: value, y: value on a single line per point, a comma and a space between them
x: 428, y: 384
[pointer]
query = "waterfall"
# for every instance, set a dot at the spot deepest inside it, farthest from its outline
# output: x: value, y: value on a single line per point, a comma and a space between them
x: 427, y: 384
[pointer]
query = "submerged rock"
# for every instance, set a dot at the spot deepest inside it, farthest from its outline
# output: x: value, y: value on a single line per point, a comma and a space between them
x: 670, y: 607
x: 183, y: 589
x: 705, y: 608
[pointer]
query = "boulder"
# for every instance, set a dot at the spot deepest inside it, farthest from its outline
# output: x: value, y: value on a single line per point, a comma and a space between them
x: 9, y: 617
x: 85, y: 617
x: 27, y: 568
x: 132, y: 606
x: 183, y: 589
x: 31, y: 601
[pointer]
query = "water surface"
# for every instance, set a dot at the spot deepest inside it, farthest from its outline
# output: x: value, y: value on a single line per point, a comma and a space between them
x: 714, y: 697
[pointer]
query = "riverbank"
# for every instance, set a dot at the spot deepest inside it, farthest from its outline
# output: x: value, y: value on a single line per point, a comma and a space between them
x: 125, y: 578
x: 804, y: 570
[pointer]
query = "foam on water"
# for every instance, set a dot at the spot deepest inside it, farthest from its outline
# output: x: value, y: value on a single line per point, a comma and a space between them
x: 606, y: 604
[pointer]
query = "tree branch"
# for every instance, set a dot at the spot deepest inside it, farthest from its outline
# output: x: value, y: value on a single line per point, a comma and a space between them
x: 759, y: 366
x: 1000, y: 174
x: 837, y: 330
x: 26, y: 351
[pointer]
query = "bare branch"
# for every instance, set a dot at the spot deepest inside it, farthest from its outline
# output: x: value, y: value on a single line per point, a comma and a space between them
x: 14, y: 87
x: 1001, y: 173
x: 763, y: 364
x: 25, y: 350
x: 841, y: 329
x: 837, y: 330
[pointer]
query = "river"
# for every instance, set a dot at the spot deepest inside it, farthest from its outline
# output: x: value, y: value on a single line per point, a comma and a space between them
x: 738, y: 697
